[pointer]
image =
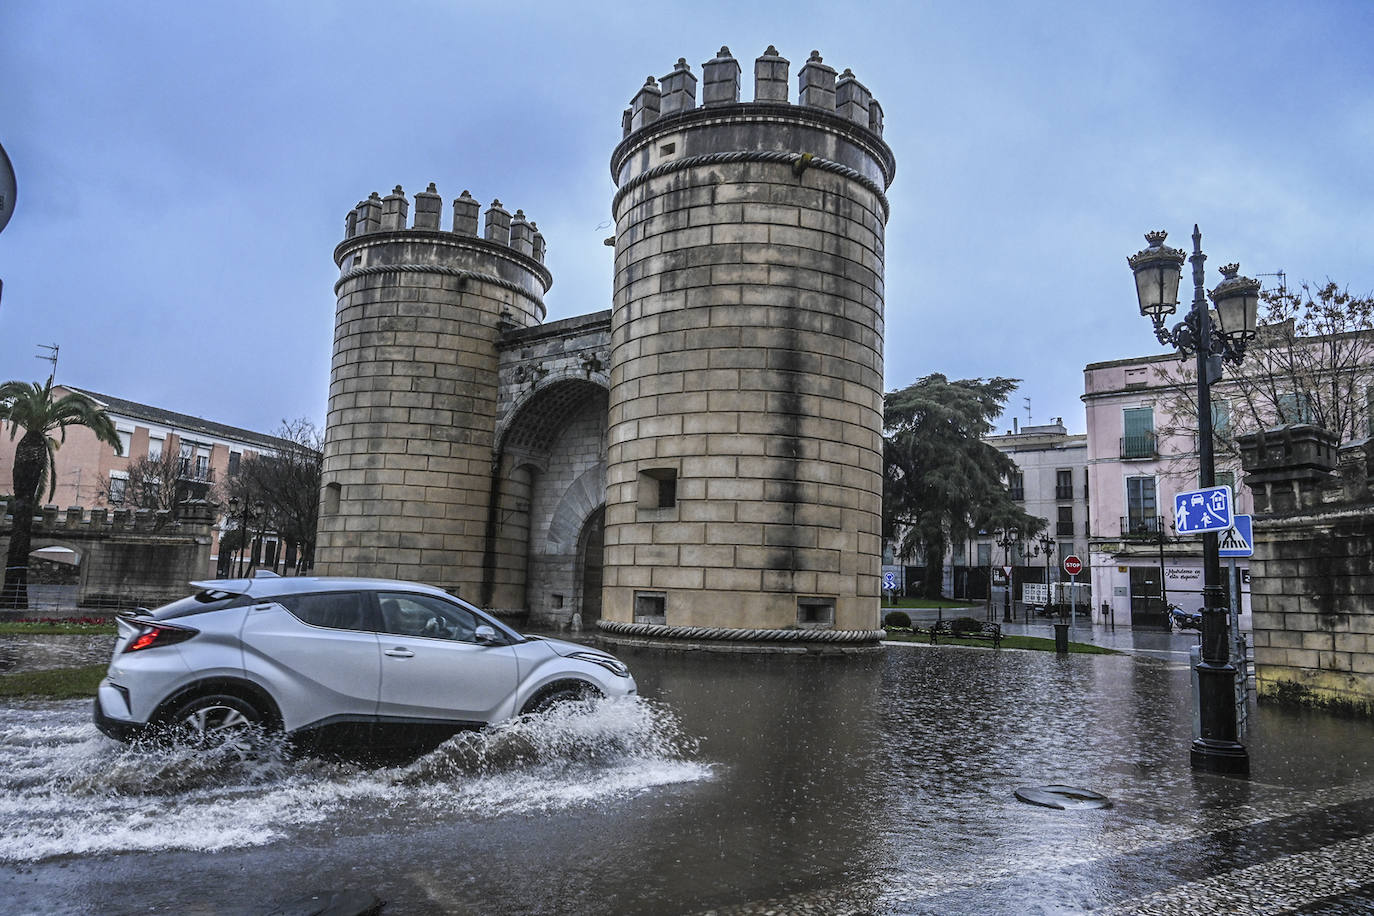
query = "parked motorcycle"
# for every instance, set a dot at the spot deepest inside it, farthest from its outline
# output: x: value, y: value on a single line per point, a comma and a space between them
x: 1178, y: 618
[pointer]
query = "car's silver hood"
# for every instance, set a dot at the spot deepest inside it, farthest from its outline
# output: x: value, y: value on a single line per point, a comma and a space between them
x: 565, y: 648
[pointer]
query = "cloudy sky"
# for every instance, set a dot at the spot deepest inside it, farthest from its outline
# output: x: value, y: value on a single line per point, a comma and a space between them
x: 184, y: 168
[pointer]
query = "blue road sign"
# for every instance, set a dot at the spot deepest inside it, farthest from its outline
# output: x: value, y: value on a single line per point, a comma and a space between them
x: 889, y: 580
x: 1201, y: 511
x: 1239, y: 540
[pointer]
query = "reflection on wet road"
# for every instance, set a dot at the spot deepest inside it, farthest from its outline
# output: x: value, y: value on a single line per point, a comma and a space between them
x: 746, y: 783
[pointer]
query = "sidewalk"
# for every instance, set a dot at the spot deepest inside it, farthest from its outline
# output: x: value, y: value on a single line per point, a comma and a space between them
x: 1172, y: 646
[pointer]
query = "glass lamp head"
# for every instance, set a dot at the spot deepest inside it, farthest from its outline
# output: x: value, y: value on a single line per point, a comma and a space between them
x: 1157, y: 270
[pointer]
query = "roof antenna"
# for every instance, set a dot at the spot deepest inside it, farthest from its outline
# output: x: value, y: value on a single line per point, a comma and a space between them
x: 50, y: 356
x: 1028, y: 412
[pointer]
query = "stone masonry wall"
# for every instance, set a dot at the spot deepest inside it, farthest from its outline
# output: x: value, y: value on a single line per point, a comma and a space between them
x: 411, y: 424
x: 127, y: 558
x: 747, y: 356
x: 570, y: 490
x: 1312, y: 575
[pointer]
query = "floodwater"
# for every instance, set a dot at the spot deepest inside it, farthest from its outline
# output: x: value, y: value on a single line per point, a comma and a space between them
x: 736, y: 784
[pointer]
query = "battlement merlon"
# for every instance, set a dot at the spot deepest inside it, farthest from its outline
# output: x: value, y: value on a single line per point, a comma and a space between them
x: 51, y: 520
x: 391, y: 214
x: 834, y: 113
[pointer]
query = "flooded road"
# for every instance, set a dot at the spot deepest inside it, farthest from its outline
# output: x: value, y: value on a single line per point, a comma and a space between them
x: 741, y: 784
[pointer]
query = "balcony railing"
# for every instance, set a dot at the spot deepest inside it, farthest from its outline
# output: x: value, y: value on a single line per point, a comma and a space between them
x: 1063, y: 493
x: 189, y: 470
x: 1064, y: 529
x: 1138, y: 527
x: 1142, y: 446
x: 1018, y: 494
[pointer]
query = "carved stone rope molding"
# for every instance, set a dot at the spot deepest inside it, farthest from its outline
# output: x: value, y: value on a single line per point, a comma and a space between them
x: 373, y: 269
x: 812, y: 162
x: 731, y: 634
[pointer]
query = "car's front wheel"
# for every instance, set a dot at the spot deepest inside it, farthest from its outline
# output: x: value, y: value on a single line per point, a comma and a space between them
x: 558, y: 694
x: 216, y: 720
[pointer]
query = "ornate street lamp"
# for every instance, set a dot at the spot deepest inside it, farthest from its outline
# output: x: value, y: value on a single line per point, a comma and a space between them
x: 1212, y: 338
x: 1005, y: 538
x: 1043, y: 543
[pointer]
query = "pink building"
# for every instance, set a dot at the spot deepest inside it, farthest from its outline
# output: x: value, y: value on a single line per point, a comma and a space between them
x: 1142, y: 450
x: 90, y: 474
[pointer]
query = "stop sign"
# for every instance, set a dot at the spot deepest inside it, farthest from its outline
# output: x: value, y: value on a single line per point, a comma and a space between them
x: 1072, y: 565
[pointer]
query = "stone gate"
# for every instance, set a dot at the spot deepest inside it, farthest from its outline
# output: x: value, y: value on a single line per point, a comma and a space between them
x: 700, y: 463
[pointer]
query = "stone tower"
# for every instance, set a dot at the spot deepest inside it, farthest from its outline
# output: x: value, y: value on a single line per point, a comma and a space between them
x: 744, y: 465
x: 408, y: 473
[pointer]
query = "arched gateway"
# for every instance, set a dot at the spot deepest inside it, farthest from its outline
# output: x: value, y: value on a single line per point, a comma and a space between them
x: 715, y: 435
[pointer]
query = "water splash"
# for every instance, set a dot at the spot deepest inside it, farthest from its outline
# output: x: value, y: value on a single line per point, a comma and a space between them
x: 65, y: 789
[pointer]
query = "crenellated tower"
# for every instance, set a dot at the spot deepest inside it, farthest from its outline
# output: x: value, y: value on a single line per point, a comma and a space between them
x: 744, y: 466
x: 408, y: 473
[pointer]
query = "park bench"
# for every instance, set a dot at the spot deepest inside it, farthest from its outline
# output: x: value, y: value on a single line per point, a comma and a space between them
x: 989, y: 631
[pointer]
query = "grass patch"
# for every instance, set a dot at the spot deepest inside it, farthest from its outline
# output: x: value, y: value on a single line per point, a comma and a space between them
x: 1036, y: 643
x: 76, y: 626
x: 948, y: 604
x: 53, y: 684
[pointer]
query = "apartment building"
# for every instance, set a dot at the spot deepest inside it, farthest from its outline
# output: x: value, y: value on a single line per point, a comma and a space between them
x: 90, y: 474
x: 1142, y: 450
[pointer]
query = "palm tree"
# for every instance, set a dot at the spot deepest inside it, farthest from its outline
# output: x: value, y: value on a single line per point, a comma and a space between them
x: 31, y: 406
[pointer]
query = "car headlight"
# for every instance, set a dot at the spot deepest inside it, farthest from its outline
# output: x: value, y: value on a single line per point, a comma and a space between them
x: 613, y: 665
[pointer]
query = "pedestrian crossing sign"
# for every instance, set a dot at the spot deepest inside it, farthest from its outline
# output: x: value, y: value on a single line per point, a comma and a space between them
x: 1238, y: 540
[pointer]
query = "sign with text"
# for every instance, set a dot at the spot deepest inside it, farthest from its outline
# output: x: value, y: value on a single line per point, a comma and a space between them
x: 1072, y: 565
x: 1203, y: 511
x: 1035, y: 593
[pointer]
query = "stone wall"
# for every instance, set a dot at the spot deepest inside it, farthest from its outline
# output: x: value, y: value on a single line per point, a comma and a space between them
x: 411, y: 425
x: 1312, y: 575
x: 744, y: 451
x: 127, y: 558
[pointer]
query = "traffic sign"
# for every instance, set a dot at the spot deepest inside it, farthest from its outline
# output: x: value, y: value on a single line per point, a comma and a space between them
x: 1072, y: 565
x: 1201, y: 511
x: 890, y: 580
x: 1006, y: 571
x: 1238, y: 540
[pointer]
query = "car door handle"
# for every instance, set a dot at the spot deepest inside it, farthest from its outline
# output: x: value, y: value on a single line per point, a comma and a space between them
x: 398, y: 652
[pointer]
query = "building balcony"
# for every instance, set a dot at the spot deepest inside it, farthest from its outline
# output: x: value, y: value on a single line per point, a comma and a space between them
x: 1018, y: 494
x: 193, y: 473
x: 1137, y: 528
x: 1143, y: 446
x: 1063, y: 494
x: 1063, y: 529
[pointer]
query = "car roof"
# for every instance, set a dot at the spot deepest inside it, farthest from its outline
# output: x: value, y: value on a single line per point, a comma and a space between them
x: 293, y: 585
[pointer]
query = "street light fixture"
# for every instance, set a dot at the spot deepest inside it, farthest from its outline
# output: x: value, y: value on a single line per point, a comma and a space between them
x: 1005, y: 538
x: 1044, y: 544
x: 1212, y: 338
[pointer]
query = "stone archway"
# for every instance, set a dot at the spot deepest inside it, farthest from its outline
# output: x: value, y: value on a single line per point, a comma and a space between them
x: 590, y: 550
x: 556, y: 437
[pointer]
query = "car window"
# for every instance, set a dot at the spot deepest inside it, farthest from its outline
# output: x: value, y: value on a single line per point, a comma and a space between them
x: 423, y: 615
x: 336, y: 610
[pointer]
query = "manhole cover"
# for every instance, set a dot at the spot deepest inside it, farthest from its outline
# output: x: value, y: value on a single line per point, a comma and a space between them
x: 1062, y: 797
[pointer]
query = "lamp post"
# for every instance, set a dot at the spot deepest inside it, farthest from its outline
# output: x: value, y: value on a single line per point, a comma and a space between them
x: 1211, y: 337
x: 1005, y: 538
x: 1043, y: 543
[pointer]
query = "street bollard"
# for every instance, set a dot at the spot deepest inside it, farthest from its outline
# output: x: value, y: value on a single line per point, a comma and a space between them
x: 1061, y: 639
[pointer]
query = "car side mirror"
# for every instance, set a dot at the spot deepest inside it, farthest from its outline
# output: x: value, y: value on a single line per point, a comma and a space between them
x: 485, y: 634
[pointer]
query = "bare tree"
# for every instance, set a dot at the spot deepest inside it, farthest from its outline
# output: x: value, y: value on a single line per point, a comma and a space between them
x: 1312, y: 361
x: 280, y: 492
x: 151, y: 484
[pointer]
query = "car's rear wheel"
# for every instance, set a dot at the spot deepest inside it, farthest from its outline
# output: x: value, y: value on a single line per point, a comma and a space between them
x: 219, y: 719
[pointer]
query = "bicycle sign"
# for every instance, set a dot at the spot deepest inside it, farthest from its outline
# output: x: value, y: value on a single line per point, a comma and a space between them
x: 1203, y: 511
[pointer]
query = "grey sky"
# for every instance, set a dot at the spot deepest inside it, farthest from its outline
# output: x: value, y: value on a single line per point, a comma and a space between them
x: 184, y: 168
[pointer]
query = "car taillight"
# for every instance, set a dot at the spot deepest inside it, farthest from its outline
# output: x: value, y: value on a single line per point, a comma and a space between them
x: 157, y: 634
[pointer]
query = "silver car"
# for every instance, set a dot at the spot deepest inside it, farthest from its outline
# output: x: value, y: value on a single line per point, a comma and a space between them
x: 352, y: 659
